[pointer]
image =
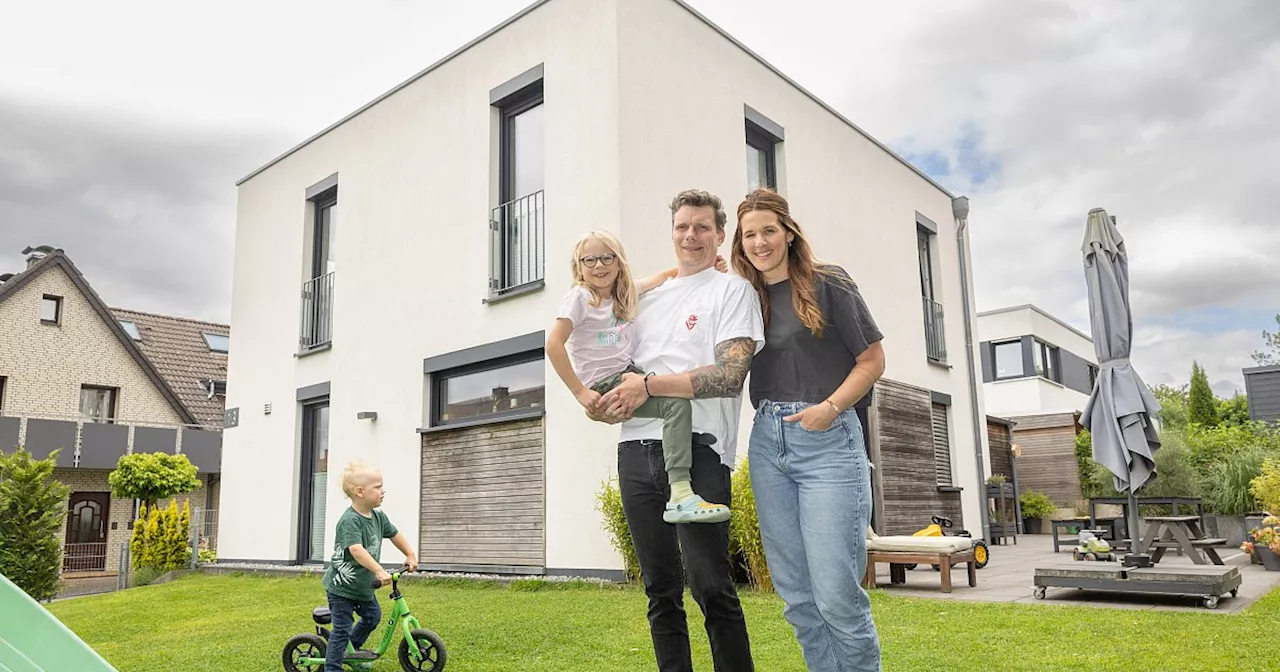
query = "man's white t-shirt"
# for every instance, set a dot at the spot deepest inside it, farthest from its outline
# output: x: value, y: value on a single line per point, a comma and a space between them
x: 677, y: 329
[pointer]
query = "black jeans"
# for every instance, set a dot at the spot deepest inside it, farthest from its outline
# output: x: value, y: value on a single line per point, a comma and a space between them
x: 343, y: 610
x: 642, y: 479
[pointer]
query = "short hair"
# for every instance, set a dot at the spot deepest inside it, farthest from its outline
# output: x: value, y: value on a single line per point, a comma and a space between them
x: 355, y: 475
x: 698, y: 198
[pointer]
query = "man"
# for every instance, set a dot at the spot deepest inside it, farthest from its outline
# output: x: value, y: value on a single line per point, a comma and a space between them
x: 696, y: 335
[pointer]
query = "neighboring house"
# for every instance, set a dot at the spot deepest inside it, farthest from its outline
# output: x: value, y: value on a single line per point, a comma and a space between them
x: 1262, y: 387
x: 395, y: 273
x: 95, y: 384
x: 1038, y: 371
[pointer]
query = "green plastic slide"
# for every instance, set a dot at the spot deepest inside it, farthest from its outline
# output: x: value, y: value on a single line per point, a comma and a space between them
x: 34, y: 640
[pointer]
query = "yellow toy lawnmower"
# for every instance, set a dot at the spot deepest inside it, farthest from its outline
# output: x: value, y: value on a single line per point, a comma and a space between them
x: 937, y: 529
x: 1092, y: 547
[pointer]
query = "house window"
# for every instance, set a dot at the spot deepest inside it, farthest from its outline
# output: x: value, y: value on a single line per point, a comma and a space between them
x: 97, y: 404
x: 762, y: 164
x: 1008, y: 356
x: 131, y: 328
x: 941, y: 445
x: 491, y: 389
x: 51, y: 309
x: 1093, y: 375
x: 214, y: 388
x: 3, y: 380
x: 1045, y: 358
x: 517, y: 225
x: 217, y: 342
x: 934, y: 331
x: 316, y: 328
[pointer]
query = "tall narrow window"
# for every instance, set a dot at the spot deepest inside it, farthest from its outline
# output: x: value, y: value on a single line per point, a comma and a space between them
x: 3, y: 380
x: 317, y: 290
x: 97, y: 404
x: 313, y: 478
x: 517, y: 224
x: 934, y: 334
x: 1045, y: 357
x: 762, y: 161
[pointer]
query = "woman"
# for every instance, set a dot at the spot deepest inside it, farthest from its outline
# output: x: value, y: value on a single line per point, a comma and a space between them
x: 807, y: 458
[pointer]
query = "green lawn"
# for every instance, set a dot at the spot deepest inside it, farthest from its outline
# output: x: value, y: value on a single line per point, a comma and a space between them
x: 240, y: 623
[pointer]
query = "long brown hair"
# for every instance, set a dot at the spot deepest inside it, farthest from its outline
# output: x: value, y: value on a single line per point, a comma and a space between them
x: 625, y: 301
x: 802, y: 267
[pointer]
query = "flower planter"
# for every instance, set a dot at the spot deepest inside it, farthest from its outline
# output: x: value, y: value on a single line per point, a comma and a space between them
x: 1032, y: 525
x: 1268, y: 559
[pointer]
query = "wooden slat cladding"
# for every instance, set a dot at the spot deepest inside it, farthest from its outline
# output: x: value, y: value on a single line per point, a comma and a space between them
x: 1048, y: 460
x: 1000, y: 443
x: 941, y: 445
x: 483, y: 496
x: 907, y: 470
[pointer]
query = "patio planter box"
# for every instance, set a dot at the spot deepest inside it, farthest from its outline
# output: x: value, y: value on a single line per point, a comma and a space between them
x: 1032, y: 525
x: 1232, y: 528
x: 1267, y: 558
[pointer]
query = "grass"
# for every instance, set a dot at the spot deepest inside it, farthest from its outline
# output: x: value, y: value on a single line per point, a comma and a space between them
x: 240, y: 622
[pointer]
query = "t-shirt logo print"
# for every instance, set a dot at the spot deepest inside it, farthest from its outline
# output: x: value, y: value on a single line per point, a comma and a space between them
x: 691, y: 322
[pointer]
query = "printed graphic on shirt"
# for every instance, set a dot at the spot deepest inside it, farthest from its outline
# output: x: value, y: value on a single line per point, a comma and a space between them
x: 691, y: 322
x: 612, y: 335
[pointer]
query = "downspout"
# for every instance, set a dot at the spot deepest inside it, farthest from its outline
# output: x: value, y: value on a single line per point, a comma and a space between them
x: 960, y: 210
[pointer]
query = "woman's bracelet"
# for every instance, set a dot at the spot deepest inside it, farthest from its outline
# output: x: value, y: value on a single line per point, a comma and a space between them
x: 833, y: 405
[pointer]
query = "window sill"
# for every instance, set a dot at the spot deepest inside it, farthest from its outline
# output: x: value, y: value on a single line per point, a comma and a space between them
x: 512, y: 293
x: 311, y: 351
x: 1015, y: 379
x: 49, y: 323
x: 524, y: 414
x: 941, y: 364
x: 950, y: 488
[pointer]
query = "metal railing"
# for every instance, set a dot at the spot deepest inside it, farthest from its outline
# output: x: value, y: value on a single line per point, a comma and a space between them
x: 77, y: 436
x: 934, y: 335
x: 89, y: 557
x: 317, y: 313
x: 517, y: 244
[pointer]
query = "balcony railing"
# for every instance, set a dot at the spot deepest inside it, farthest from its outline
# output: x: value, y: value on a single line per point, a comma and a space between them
x: 317, y: 313
x: 86, y: 444
x: 87, y: 557
x: 935, y: 338
x: 516, y: 244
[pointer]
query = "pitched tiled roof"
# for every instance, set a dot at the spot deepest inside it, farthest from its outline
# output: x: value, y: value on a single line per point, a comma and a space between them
x: 176, y: 347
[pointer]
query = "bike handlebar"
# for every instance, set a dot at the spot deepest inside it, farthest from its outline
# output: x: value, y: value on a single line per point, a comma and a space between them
x: 395, y: 576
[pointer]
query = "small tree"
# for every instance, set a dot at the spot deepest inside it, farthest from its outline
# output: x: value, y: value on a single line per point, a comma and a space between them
x: 160, y: 538
x: 1173, y: 405
x: 1202, y: 405
x: 152, y: 477
x: 32, y: 513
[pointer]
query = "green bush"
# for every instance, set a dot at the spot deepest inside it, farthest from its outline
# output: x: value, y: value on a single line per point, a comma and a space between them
x: 609, y: 503
x: 1036, y: 504
x: 145, y: 576
x: 1226, y: 485
x: 33, y: 515
x: 1210, y: 445
x: 152, y: 477
x: 1266, y: 487
x: 160, y: 538
x: 744, y: 530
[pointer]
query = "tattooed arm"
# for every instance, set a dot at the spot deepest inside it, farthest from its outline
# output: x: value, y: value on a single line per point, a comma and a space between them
x: 722, y: 379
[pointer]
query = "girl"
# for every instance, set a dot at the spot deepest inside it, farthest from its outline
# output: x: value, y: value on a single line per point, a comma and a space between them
x: 590, y: 347
x: 807, y: 455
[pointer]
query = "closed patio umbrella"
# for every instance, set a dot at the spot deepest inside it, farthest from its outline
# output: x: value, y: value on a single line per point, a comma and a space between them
x: 1120, y: 408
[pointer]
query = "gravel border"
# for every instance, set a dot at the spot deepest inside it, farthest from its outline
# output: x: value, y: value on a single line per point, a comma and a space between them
x: 295, y: 570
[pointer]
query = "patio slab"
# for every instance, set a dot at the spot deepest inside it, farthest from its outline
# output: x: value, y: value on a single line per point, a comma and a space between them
x: 1009, y: 577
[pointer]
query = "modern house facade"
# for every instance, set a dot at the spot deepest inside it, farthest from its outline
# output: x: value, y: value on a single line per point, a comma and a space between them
x: 396, y: 272
x: 1038, y: 371
x: 94, y: 384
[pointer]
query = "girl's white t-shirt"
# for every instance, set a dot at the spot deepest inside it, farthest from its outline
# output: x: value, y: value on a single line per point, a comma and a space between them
x: 599, y: 344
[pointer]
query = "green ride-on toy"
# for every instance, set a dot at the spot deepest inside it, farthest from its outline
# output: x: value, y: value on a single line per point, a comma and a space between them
x: 1091, y: 547
x: 421, y: 650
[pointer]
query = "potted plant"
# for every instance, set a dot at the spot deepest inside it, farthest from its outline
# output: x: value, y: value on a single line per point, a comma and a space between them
x: 1264, y: 542
x: 1036, y: 506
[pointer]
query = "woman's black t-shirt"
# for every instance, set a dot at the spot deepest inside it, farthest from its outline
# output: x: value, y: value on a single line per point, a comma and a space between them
x: 795, y: 365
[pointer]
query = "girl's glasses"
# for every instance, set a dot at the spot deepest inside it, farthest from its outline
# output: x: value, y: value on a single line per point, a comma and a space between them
x: 590, y: 261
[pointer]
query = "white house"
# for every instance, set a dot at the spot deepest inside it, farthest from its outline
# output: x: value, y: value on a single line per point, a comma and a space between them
x: 395, y: 272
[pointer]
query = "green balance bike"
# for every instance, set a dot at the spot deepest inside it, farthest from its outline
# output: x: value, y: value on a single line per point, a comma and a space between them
x: 421, y: 650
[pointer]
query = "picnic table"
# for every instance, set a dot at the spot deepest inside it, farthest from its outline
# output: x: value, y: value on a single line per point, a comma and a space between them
x: 1123, y: 502
x: 1182, y: 533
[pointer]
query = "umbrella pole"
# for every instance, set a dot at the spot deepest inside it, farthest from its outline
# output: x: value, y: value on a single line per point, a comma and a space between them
x: 1135, y: 558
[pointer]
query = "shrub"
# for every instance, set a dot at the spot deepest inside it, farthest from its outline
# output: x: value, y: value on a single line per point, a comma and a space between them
x: 1226, y: 486
x: 1175, y: 474
x: 744, y: 530
x: 145, y: 575
x: 33, y: 514
x: 160, y: 538
x: 609, y: 503
x: 152, y: 477
x: 1266, y: 487
x: 1036, y: 505
x: 1202, y: 406
x: 1222, y: 443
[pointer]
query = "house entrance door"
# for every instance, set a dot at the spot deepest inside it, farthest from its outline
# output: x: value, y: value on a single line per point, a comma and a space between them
x: 86, y: 532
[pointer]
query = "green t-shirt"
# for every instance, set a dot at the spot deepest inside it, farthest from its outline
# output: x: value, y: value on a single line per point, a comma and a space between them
x: 345, y: 576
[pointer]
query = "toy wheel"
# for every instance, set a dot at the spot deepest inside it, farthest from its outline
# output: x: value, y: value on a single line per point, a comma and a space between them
x: 936, y: 568
x: 430, y: 651
x: 981, y: 554
x: 1211, y: 602
x: 1039, y: 592
x: 1234, y: 591
x: 303, y: 646
x: 1090, y: 557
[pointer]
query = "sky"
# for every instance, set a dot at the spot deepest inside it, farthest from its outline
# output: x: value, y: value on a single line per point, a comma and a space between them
x: 122, y: 135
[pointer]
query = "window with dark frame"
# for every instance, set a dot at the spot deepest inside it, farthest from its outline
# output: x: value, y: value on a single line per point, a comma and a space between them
x: 98, y: 404
x: 1008, y: 359
x: 492, y: 389
x: 1045, y: 358
x: 51, y: 309
x: 1093, y: 375
x: 317, y: 292
x: 518, y: 222
x: 3, y: 380
x: 762, y: 164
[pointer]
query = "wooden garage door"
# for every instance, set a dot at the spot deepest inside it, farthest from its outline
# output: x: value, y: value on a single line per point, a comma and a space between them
x: 483, y: 496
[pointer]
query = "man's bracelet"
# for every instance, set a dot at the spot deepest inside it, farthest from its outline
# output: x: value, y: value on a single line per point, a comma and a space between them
x: 646, y: 383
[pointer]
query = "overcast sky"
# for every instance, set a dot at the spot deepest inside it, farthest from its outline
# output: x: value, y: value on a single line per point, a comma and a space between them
x: 123, y: 132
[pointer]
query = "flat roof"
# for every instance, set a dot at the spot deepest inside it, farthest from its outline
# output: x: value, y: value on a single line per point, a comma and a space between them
x: 515, y: 17
x: 1028, y: 306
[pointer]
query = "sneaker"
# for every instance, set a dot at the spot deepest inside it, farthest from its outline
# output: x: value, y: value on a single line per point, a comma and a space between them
x: 361, y: 654
x: 695, y: 510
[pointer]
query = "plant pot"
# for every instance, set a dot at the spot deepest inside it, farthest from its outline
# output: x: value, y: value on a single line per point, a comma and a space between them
x: 1270, y: 561
x: 1032, y: 525
x: 1231, y: 528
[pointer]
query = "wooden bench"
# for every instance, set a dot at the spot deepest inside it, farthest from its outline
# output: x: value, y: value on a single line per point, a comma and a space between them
x: 898, y: 573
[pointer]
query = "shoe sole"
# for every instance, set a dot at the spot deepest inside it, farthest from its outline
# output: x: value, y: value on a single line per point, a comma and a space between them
x: 680, y: 518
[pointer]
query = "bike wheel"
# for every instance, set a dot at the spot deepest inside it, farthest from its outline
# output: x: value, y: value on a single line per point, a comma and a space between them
x: 430, y: 650
x: 303, y: 646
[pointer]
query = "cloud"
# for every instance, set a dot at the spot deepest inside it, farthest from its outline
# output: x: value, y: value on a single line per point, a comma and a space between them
x: 145, y: 209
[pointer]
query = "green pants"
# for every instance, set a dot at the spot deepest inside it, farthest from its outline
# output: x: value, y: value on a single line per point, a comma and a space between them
x: 677, y: 426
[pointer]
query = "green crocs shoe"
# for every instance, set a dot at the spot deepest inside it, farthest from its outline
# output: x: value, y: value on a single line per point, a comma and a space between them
x: 695, y: 510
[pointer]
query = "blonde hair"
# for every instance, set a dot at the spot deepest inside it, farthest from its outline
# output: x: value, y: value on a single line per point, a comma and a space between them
x: 624, y: 287
x: 355, y: 475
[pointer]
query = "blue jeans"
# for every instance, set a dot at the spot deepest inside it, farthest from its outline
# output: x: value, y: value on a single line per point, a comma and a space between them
x: 342, y: 610
x: 813, y: 498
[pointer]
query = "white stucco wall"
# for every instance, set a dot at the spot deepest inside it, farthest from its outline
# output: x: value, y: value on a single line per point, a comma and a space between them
x: 1033, y: 394
x: 1030, y: 396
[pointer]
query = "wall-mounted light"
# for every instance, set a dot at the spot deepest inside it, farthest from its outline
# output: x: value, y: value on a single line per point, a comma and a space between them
x: 266, y: 408
x: 367, y: 415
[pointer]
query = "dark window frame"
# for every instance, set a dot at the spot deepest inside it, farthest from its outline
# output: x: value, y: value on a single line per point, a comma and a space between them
x: 321, y: 244
x: 765, y: 142
x: 115, y: 401
x: 439, y: 380
x: 57, y: 310
x: 509, y: 108
x: 4, y: 380
x: 1051, y: 359
x: 995, y: 360
x: 309, y: 411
